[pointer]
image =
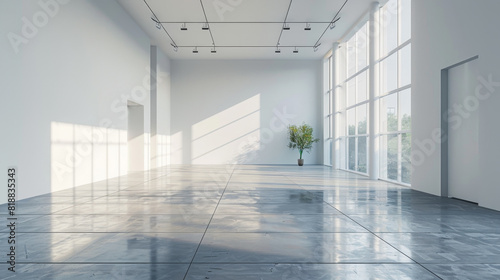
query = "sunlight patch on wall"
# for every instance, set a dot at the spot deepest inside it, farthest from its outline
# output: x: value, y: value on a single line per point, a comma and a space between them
x: 83, y: 154
x: 229, y: 136
x: 176, y: 147
x: 159, y: 151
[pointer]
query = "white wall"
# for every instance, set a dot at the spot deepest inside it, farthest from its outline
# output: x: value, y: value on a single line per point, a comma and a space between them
x: 65, y: 90
x: 440, y: 38
x: 228, y: 112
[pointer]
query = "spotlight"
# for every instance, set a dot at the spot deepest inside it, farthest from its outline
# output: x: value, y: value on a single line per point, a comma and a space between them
x: 213, y: 50
x: 175, y: 47
x: 158, y: 24
x: 183, y: 27
x: 308, y: 27
x: 277, y: 50
x: 332, y: 25
x: 205, y: 26
x: 195, y: 50
x: 315, y: 48
x: 286, y: 27
x: 296, y: 50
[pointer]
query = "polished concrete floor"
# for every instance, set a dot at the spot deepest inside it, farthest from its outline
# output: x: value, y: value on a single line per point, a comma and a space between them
x: 251, y: 222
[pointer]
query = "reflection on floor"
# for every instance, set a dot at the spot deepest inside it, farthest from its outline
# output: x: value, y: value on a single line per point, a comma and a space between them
x: 251, y: 222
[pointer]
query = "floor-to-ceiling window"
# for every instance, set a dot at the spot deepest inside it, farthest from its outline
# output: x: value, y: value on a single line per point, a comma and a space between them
x: 329, y: 110
x: 356, y: 107
x: 394, y: 68
x: 348, y: 96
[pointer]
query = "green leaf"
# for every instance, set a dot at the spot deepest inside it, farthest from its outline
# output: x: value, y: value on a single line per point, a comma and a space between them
x: 301, y: 138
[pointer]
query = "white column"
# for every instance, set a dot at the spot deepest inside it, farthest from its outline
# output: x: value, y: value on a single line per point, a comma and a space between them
x: 373, y: 138
x: 335, y: 149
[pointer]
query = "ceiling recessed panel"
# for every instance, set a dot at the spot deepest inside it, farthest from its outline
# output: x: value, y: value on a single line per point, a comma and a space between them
x: 246, y: 34
x: 317, y: 10
x: 246, y: 10
x: 176, y: 10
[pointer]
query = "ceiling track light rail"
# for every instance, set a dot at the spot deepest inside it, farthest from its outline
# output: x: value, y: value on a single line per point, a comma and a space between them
x: 285, y: 26
x: 284, y: 23
x: 241, y: 46
x: 277, y: 50
x: 245, y: 22
x: 331, y: 25
x: 155, y: 19
x: 208, y: 26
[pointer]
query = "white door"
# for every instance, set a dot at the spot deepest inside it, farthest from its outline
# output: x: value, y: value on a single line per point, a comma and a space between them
x: 463, y: 132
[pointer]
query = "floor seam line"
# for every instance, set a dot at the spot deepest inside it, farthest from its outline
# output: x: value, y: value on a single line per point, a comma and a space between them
x: 342, y: 213
x: 373, y: 233
x: 209, y: 222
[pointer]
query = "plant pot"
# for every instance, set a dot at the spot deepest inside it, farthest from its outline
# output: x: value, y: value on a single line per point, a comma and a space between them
x: 301, y: 162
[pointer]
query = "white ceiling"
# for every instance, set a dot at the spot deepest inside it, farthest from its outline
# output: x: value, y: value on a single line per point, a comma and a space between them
x: 225, y: 16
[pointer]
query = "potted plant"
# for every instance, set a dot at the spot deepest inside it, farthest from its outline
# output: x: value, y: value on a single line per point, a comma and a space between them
x: 301, y: 138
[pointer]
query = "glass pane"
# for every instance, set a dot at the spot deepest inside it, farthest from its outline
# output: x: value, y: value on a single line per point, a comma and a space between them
x: 377, y: 80
x: 352, y: 153
x: 330, y: 72
x: 362, y: 119
x: 405, y: 19
x: 378, y: 54
x: 389, y: 28
x: 389, y: 74
x: 405, y: 67
x: 383, y: 157
x: 330, y: 127
x: 342, y: 153
x: 406, y: 158
x: 351, y: 92
x: 336, y: 99
x: 392, y: 157
x: 389, y: 113
x: 351, y: 56
x: 361, y: 92
x: 330, y: 102
x: 328, y: 160
x: 339, y: 65
x: 405, y: 109
x: 362, y: 154
x: 332, y: 146
x: 362, y: 47
x: 351, y: 121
